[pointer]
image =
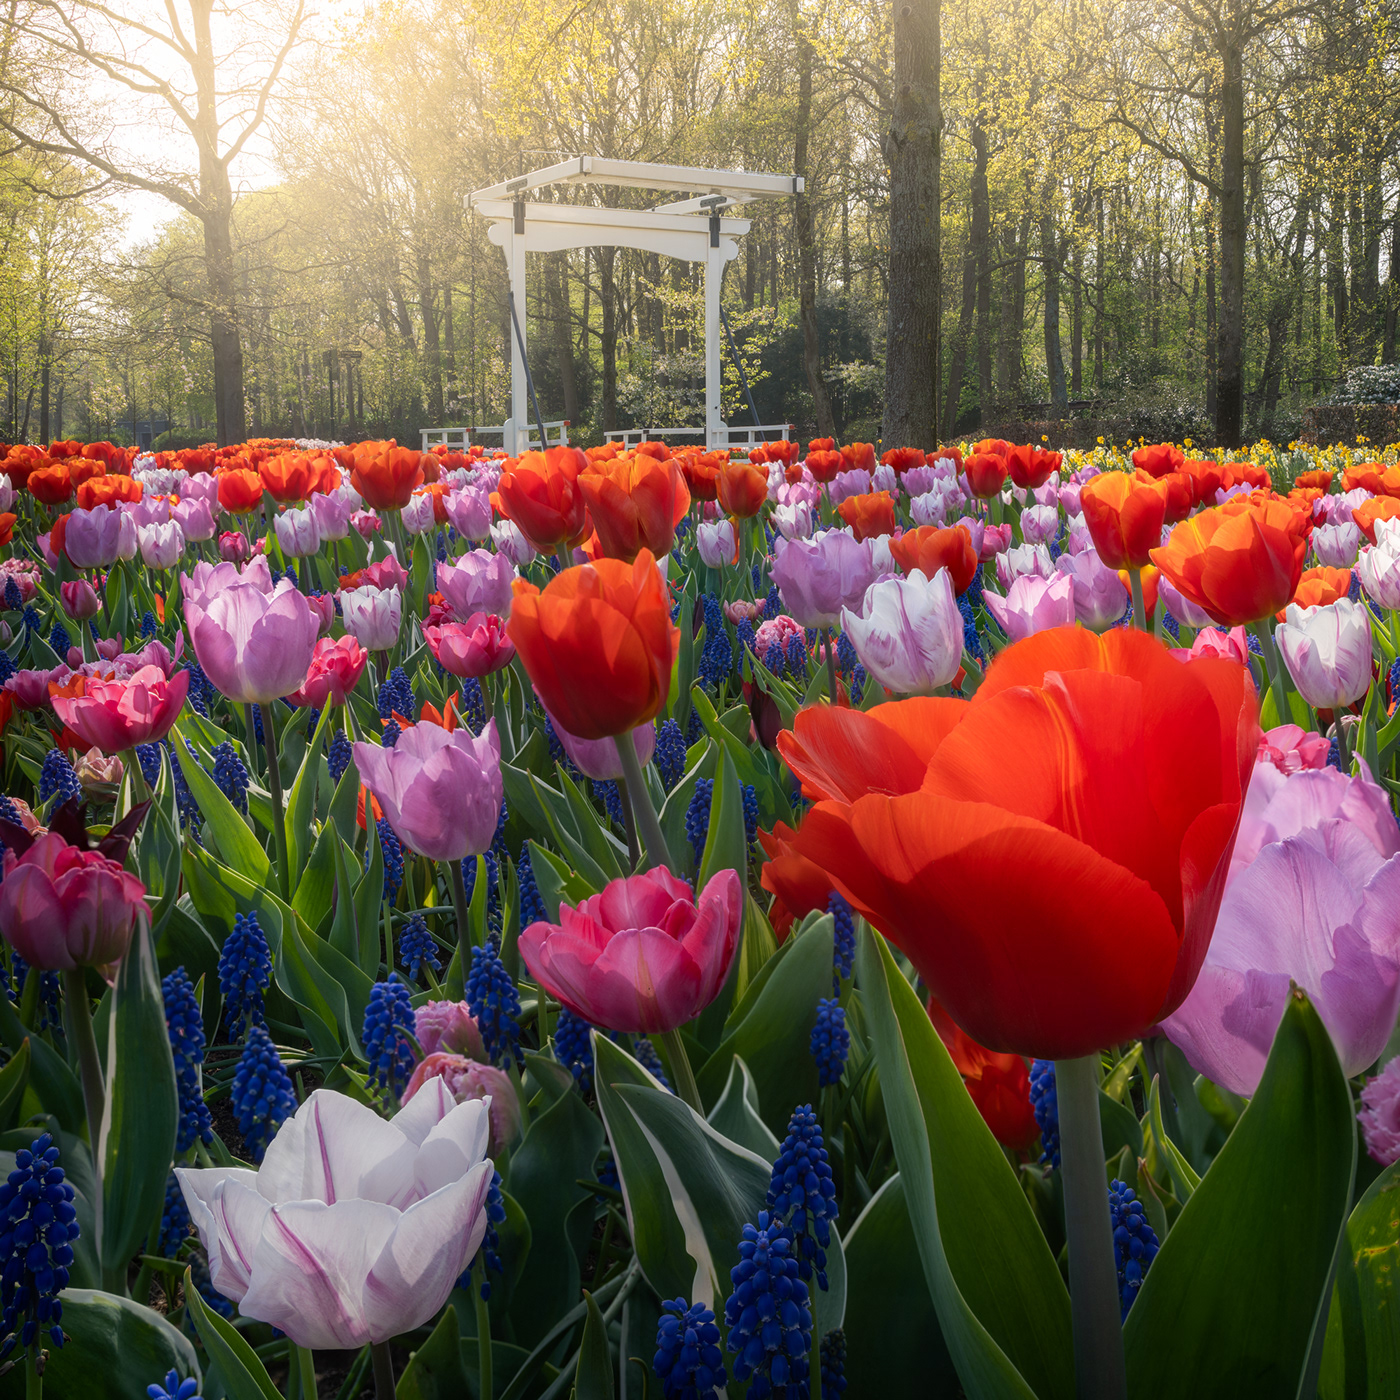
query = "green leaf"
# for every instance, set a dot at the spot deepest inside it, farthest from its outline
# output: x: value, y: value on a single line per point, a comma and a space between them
x: 559, y: 1150
x: 893, y: 1342
x: 1185, y: 1178
x: 301, y: 800
x: 115, y: 1349
x: 435, y: 1371
x: 688, y: 1190
x: 602, y: 846
x: 1362, y: 1355
x: 726, y: 844
x: 736, y: 1115
x: 594, y: 1378
x: 771, y: 1028
x: 14, y: 1079
x: 243, y: 1374
x: 1001, y: 1300
x: 238, y: 846
x: 315, y: 892
x: 1243, y: 1285
x: 556, y: 882
x: 1120, y: 1129
x: 143, y: 1107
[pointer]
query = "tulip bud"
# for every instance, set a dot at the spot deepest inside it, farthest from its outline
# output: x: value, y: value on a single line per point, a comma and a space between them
x: 366, y: 522
x: 79, y: 599
x: 234, y: 547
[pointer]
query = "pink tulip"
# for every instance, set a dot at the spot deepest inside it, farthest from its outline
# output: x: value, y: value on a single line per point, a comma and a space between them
x: 114, y: 715
x: 332, y: 513
x: 79, y: 599
x: 384, y: 574
x: 440, y: 791
x: 1320, y: 910
x: 476, y: 647
x: 478, y: 582
x: 1032, y: 605
x: 234, y: 547
x: 98, y: 537
x: 644, y: 955
x: 1291, y: 748
x: 255, y: 646
x: 467, y: 1080
x: 1233, y: 645
x: 820, y: 576
x: 354, y: 1229
x: 335, y: 670
x: 598, y: 758
x: 469, y: 512
x: 31, y: 688
x: 448, y: 1026
x: 202, y: 486
x: 108, y: 648
x: 1380, y: 1114
x: 63, y: 907
x: 1100, y: 599
x: 366, y: 522
x: 195, y: 519
x: 323, y: 606
x: 96, y: 770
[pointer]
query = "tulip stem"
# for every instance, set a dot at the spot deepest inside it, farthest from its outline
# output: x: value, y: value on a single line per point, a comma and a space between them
x: 89, y: 1065
x: 306, y: 1372
x: 1093, y: 1274
x: 629, y: 825
x: 679, y: 1063
x: 647, y: 823
x: 830, y: 663
x: 274, y: 783
x: 464, y: 921
x: 483, y: 1339
x: 383, y: 1371
x: 1139, y: 606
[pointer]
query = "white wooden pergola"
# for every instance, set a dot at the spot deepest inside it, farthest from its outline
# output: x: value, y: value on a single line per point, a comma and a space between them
x: 695, y: 228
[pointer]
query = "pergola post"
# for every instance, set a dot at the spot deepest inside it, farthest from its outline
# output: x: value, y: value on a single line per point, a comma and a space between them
x: 716, y: 434
x: 517, y: 435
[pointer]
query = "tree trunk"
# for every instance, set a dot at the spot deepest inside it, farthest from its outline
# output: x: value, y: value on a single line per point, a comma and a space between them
x: 44, y: 367
x: 1098, y: 291
x: 912, y: 149
x: 558, y: 282
x: 1229, y: 373
x: 432, y: 337
x: 807, y: 240
x: 981, y: 248
x: 1054, y: 356
x: 1076, y: 329
x: 1392, y: 291
x: 449, y: 333
x: 607, y: 296
x: 957, y: 356
x: 1280, y: 319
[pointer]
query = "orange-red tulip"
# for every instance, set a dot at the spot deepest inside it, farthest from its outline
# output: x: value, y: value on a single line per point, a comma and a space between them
x: 993, y: 447
x: 598, y: 644
x: 902, y: 459
x: 929, y: 549
x: 701, y: 471
x: 289, y: 476
x: 1320, y: 586
x: 1032, y: 466
x: 825, y: 463
x: 986, y: 473
x: 1240, y: 561
x: 999, y: 1084
x: 541, y: 496
x: 858, y: 456
x: 1050, y: 855
x: 798, y: 887
x: 109, y: 490
x: 1321, y: 479
x: 1159, y: 459
x: 635, y: 503
x: 1377, y: 508
x: 7, y: 526
x: 386, y: 475
x: 742, y: 489
x: 1125, y: 515
x: 240, y: 490
x: 1206, y: 475
x: 821, y: 445
x: 51, y: 485
x: 870, y: 515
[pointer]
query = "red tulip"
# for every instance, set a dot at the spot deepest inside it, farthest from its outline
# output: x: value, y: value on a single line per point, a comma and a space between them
x: 1158, y: 460
x: 999, y: 1084
x: 1054, y: 867
x: 1125, y: 515
x: 335, y: 670
x: 114, y: 715
x: 986, y: 474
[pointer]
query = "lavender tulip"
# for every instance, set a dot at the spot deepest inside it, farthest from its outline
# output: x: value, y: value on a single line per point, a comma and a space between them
x: 1024, y: 559
x: 332, y: 512
x: 715, y: 542
x: 1032, y: 604
x: 793, y: 522
x: 855, y: 482
x: 908, y: 633
x: 470, y: 513
x: 354, y: 1229
x: 1328, y: 652
x: 819, y: 577
x: 1337, y: 545
x: 372, y: 615
x: 193, y: 516
x: 97, y: 538
x: 419, y: 515
x: 254, y: 643
x: 1040, y: 524
x: 161, y: 545
x: 1379, y: 566
x: 511, y: 543
x: 7, y: 493
x: 931, y: 508
x: 1100, y: 599
x: 440, y: 790
x: 297, y: 533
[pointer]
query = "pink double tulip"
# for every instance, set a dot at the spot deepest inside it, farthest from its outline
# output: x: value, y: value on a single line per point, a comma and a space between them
x: 440, y: 790
x: 117, y: 714
x: 469, y: 1080
x: 476, y: 647
x: 335, y: 670
x: 353, y: 1230
x: 479, y: 582
x: 63, y: 906
x: 644, y: 955
x: 254, y: 641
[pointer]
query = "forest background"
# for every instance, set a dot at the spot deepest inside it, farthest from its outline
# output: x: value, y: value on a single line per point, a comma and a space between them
x: 1143, y: 205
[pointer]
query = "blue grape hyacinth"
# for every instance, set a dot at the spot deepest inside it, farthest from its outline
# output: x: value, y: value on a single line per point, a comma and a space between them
x: 831, y: 1041
x: 245, y: 973
x: 38, y: 1225
x: 802, y: 1192
x: 262, y: 1094
x: 186, y: 1029
x: 493, y: 1000
x: 1046, y: 1106
x: 385, y: 1036
x: 688, y: 1361
x: 769, y: 1314
x: 487, y: 1256
x: 1134, y: 1242
x: 418, y: 948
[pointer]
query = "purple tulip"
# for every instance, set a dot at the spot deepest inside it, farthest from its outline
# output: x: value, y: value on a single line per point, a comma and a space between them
x: 1379, y: 566
x: 372, y: 615
x: 819, y: 577
x: 855, y: 482
x: 511, y: 543
x: 1182, y: 608
x: 598, y: 758
x: 332, y: 512
x: 97, y: 538
x: 469, y: 511
x: 193, y: 516
x: 161, y: 545
x: 354, y: 1229
x: 479, y: 582
x: 149, y: 510
x: 1380, y: 1114
x: 203, y: 486
x: 254, y: 644
x: 440, y: 790
x: 1023, y: 559
x: 1100, y: 599
x: 1032, y: 604
x: 715, y: 543
x: 909, y: 632
x: 1320, y: 909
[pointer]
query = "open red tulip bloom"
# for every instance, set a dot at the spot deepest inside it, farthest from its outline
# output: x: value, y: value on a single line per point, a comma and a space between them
x: 1050, y: 855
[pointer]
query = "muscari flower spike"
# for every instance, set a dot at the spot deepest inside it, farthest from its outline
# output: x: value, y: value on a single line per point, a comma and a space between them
x: 14, y: 599
x: 833, y: 1359
x: 418, y: 949
x: 688, y: 1361
x: 831, y: 1041
x: 532, y: 908
x: 175, y: 1222
x: 670, y: 753
x: 697, y: 816
x: 487, y: 1256
x: 769, y: 1315
x: 262, y: 1093
x: 59, y: 639
x: 173, y: 1388
x: 245, y: 973
x: 38, y: 1225
x: 390, y: 737
x: 1134, y: 1242
x: 149, y: 626
x: 650, y: 1060
x: 338, y: 755
x: 385, y: 1036
x: 231, y: 774
x: 186, y: 1029
x: 573, y: 1047
x: 1045, y: 1105
x: 493, y: 1000
x: 148, y: 756
x: 393, y: 859
x: 57, y: 778
x: 844, y: 951
x: 50, y: 988
x: 612, y: 803
x: 802, y: 1192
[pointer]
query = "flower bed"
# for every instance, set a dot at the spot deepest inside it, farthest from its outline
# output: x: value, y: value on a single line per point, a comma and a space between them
x: 800, y: 924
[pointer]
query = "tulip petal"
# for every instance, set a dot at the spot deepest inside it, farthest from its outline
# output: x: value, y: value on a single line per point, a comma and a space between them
x: 1061, y: 979
x: 424, y: 1111
x: 454, y: 1146
x: 229, y: 1213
